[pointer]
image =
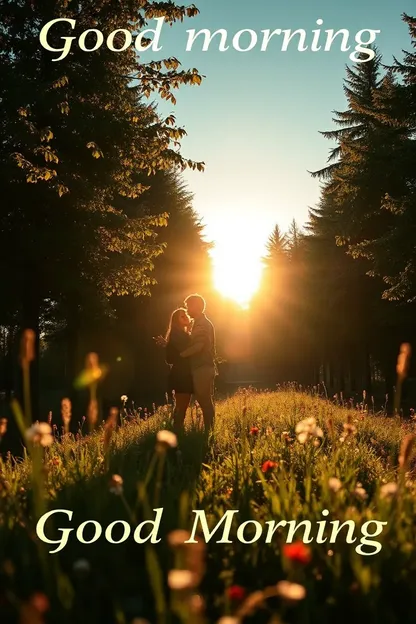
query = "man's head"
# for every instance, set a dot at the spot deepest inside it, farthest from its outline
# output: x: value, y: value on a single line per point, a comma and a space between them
x: 195, y: 305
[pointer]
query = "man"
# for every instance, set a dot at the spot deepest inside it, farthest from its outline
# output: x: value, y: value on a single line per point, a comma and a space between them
x: 202, y: 357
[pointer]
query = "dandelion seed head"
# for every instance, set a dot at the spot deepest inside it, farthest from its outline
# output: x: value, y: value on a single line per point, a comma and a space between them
x: 167, y: 439
x: 40, y: 433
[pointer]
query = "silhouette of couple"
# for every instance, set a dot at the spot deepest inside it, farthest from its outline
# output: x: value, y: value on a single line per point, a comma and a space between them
x: 190, y: 353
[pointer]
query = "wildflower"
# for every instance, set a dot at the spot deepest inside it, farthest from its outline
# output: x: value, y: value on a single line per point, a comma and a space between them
x: 308, y: 428
x: 291, y: 591
x: 92, y: 413
x: 124, y: 398
x: 167, y: 439
x: 3, y: 426
x: 330, y: 425
x: 298, y: 552
x: 40, y: 433
x: 236, y: 593
x: 116, y: 485
x: 197, y: 604
x: 178, y: 538
x: 406, y: 450
x: 334, y: 484
x: 403, y: 360
x: 360, y: 492
x: 268, y: 465
x: 40, y: 602
x: 109, y: 427
x: 269, y: 430
x: 254, y: 431
x: 181, y: 579
x: 66, y: 409
x: 388, y: 490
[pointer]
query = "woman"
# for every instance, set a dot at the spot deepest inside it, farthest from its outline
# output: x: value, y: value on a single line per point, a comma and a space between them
x: 178, y: 340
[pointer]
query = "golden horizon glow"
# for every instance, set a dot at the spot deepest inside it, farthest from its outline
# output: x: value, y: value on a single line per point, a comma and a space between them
x: 237, y: 272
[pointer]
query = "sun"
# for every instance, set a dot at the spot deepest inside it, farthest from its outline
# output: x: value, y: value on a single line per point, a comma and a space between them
x: 237, y: 274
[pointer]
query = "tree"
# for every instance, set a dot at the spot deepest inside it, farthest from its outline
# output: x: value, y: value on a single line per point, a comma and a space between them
x: 79, y: 144
x: 276, y: 247
x: 392, y: 254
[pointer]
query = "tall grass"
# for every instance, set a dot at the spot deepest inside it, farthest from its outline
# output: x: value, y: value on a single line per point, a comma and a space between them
x: 258, y: 460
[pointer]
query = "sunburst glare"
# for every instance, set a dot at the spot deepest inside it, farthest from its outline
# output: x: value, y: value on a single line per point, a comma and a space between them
x: 237, y: 273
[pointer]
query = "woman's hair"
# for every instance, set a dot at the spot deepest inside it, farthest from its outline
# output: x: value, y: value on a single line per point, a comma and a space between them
x: 173, y: 323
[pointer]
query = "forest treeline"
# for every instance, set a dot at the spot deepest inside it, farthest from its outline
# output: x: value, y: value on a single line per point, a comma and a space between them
x: 99, y: 241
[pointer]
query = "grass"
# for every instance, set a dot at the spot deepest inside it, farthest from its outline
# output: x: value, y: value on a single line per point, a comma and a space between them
x: 345, y: 465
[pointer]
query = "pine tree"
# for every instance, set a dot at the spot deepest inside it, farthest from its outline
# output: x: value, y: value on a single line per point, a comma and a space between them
x: 276, y: 247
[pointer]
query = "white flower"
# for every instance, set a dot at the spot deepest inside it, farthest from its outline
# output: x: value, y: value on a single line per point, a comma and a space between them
x: 291, y: 591
x: 360, y: 492
x: 40, y: 433
x: 388, y: 490
x: 308, y: 428
x: 124, y: 398
x: 167, y: 438
x: 334, y: 484
x: 181, y: 579
x: 116, y: 485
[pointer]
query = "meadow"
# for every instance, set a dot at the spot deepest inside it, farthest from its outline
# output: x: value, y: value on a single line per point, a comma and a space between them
x: 274, y: 456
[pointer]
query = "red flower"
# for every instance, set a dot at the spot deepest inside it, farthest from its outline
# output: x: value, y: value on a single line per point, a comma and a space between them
x: 297, y: 552
x: 236, y: 593
x: 268, y: 465
x: 254, y: 431
x: 40, y: 602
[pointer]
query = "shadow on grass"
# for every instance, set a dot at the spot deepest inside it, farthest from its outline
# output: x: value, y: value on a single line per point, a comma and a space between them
x: 108, y: 579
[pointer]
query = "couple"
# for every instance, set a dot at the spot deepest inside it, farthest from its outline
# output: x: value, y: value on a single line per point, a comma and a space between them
x: 190, y: 352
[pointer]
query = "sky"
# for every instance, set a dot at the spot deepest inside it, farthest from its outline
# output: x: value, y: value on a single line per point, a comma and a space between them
x: 255, y: 120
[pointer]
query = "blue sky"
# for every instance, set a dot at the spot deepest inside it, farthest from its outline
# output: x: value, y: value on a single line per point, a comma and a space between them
x: 255, y: 120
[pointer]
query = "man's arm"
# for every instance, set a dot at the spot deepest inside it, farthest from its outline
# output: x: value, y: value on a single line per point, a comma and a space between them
x: 199, y: 338
x: 195, y: 348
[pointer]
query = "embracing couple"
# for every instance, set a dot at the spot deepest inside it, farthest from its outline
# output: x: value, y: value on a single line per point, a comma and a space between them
x: 190, y: 353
